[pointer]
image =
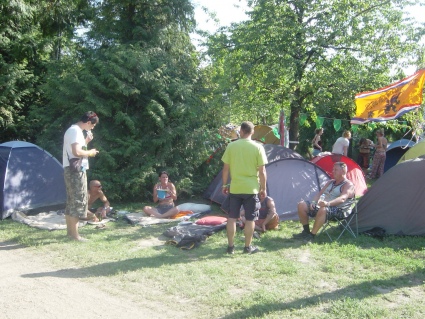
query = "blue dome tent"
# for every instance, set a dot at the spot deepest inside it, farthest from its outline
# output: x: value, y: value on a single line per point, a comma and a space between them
x: 30, y: 178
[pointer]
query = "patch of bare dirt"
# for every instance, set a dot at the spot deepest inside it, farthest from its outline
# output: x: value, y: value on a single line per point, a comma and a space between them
x: 24, y: 294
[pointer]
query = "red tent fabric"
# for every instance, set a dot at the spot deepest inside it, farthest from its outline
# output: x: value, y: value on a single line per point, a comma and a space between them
x: 354, y: 172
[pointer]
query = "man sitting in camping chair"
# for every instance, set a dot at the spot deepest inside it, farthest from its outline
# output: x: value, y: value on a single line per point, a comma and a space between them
x: 337, y: 202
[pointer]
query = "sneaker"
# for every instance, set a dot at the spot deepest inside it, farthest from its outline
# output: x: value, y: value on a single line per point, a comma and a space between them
x: 301, y: 235
x: 231, y: 250
x: 251, y: 250
x: 309, y: 239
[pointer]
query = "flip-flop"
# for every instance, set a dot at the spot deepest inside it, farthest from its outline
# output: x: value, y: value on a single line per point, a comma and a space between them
x: 101, y: 226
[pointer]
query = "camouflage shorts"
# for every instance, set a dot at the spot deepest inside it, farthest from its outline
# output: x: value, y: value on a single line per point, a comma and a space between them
x: 76, y: 193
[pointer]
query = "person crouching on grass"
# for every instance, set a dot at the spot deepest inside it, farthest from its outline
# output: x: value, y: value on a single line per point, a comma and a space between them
x: 268, y: 219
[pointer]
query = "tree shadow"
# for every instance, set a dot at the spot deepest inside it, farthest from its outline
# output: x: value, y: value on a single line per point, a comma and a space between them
x: 357, y: 291
x: 133, y: 264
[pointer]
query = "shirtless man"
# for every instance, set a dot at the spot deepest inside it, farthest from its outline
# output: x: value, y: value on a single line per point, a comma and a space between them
x: 95, y: 192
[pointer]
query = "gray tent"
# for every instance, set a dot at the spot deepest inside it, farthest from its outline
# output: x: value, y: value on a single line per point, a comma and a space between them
x: 30, y: 179
x: 290, y: 178
x: 395, y: 201
x: 273, y: 152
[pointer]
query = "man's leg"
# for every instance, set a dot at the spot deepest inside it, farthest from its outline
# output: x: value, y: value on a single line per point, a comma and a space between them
x: 319, y: 220
x: 231, y: 230
x: 72, y: 227
x: 304, y: 219
x: 249, y: 232
x: 251, y: 205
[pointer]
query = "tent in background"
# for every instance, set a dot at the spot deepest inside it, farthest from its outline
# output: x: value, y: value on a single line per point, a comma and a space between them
x: 395, y: 151
x: 418, y: 150
x: 266, y: 134
x: 273, y: 153
x: 229, y: 131
x: 290, y: 178
x: 354, y: 172
x: 395, y: 201
x: 30, y: 178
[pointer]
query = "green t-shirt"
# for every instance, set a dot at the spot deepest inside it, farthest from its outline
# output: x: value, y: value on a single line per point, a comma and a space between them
x: 244, y: 156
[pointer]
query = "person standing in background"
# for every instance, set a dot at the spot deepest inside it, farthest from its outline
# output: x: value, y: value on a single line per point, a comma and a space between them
x: 342, y: 143
x: 364, y: 153
x: 380, y: 155
x: 75, y: 146
x: 244, y: 160
x: 317, y: 142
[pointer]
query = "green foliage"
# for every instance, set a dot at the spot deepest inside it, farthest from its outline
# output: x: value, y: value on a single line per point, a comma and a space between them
x: 142, y: 88
x: 311, y: 57
x: 31, y: 33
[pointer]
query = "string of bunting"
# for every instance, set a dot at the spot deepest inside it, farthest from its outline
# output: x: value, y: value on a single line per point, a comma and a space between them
x: 337, y: 123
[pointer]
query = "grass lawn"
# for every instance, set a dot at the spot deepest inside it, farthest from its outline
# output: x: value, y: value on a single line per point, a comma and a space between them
x: 352, y: 278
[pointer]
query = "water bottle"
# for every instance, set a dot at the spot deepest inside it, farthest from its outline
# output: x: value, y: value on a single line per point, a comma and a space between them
x: 322, y: 198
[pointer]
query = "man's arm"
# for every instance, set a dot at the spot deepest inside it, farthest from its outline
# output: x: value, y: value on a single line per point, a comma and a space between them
x: 263, y: 179
x: 78, y: 151
x: 225, y: 178
x: 105, y: 201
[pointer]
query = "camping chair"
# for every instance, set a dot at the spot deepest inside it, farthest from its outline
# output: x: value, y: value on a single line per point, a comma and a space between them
x: 343, y: 224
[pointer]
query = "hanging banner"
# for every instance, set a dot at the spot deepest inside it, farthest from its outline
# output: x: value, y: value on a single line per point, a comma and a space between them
x: 391, y: 101
x: 337, y: 125
x: 319, y: 121
x: 354, y: 128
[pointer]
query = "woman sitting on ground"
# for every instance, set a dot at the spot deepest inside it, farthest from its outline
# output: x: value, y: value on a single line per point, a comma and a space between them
x: 166, y: 207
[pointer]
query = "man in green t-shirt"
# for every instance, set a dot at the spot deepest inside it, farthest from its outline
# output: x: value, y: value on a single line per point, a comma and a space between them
x: 244, y: 160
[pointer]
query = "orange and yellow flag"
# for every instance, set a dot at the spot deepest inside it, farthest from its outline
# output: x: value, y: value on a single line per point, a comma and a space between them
x: 391, y: 101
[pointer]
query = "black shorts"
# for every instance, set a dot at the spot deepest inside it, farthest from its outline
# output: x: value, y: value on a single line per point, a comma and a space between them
x: 250, y: 203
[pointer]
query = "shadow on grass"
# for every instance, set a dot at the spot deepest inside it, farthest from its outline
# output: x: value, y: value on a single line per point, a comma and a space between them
x: 11, y: 245
x: 171, y: 256
x: 356, y: 291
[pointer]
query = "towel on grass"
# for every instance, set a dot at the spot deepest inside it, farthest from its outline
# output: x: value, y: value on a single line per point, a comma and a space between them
x: 143, y: 220
x: 50, y: 220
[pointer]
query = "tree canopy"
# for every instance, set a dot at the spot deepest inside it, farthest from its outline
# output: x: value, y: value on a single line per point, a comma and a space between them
x: 312, y: 56
x: 161, y: 102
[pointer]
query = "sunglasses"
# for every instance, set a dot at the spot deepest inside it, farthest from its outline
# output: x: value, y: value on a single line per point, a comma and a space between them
x: 99, y: 186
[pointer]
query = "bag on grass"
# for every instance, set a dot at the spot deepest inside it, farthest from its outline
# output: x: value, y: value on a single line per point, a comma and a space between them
x: 187, y: 242
x: 375, y: 232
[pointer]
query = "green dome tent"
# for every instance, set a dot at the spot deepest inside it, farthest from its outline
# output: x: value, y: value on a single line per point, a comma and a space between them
x: 415, y: 151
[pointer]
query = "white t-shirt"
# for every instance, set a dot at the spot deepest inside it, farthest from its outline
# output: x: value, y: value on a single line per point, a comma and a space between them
x: 338, y: 147
x: 72, y: 135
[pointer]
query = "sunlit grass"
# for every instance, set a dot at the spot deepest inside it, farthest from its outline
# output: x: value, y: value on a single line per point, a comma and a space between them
x: 352, y: 278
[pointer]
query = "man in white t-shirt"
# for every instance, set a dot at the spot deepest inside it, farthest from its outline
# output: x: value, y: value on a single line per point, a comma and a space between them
x: 75, y: 146
x: 342, y: 143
